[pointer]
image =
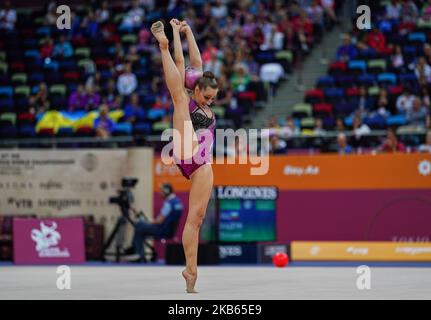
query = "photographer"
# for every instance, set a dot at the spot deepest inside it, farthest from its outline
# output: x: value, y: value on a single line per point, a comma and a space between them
x: 170, y: 213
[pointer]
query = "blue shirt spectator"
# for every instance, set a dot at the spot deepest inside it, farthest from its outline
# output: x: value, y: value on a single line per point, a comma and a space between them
x: 343, y: 147
x: 63, y: 48
x: 133, y: 110
x: 347, y: 51
x: 103, y: 124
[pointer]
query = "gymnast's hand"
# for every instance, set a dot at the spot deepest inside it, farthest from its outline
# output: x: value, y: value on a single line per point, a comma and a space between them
x: 176, y: 24
x: 185, y: 28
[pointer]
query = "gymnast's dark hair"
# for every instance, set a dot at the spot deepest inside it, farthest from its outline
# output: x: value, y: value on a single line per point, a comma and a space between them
x: 208, y: 79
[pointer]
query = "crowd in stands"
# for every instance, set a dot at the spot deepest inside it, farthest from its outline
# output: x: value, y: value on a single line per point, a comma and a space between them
x: 108, y: 62
x: 380, y: 80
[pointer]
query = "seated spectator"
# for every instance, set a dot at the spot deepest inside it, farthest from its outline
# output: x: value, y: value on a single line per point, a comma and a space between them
x: 289, y: 130
x: 103, y: 13
x: 110, y: 92
x: 339, y: 125
x: 127, y: 82
x: 133, y: 55
x: 93, y: 98
x: 405, y: 101
x: 426, y: 147
x: 342, y: 146
x: 397, y: 60
x: 359, y: 130
x: 425, y: 97
x: 315, y: 14
x: 225, y: 93
x: 134, y: 110
x: 94, y: 80
x: 318, y: 127
x: 89, y: 25
x: 347, y: 51
x: 51, y: 15
x: 329, y: 7
x: 391, y: 143
x: 417, y: 115
x: 377, y: 40
x: 214, y: 65
x: 219, y: 10
x: 423, y: 71
x: 103, y: 124
x: 7, y: 17
x: 393, y: 10
x: 39, y: 102
x: 240, y: 78
x: 63, y: 49
x: 47, y: 49
x: 134, y: 17
x: 364, y: 102
x: 382, y: 104
x: 409, y: 11
x: 78, y: 99
x: 277, y: 145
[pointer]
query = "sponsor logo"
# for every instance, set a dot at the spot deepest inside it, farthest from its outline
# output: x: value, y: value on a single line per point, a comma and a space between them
x: 413, y: 250
x: 357, y: 251
x: 89, y: 162
x: 20, y: 203
x: 262, y: 193
x: 47, y: 239
x: 424, y: 168
x: 230, y: 251
x: 301, y: 171
x: 51, y: 185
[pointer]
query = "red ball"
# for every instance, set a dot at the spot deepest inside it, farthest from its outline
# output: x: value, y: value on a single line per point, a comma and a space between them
x: 280, y: 259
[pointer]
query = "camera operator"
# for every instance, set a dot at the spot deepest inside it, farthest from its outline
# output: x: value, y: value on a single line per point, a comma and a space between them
x: 170, y: 212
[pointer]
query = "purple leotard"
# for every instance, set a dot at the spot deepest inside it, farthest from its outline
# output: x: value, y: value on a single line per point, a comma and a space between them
x: 204, y: 128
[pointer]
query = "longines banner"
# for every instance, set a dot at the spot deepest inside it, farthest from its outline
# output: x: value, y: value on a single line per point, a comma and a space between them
x: 60, y: 183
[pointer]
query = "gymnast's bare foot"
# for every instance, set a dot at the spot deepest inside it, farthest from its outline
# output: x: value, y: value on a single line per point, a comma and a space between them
x: 158, y: 30
x: 190, y: 281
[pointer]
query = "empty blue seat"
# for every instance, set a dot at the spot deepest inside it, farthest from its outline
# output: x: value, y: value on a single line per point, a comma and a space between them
x: 27, y: 131
x: 357, y: 64
x: 154, y: 114
x: 65, y: 132
x: 326, y: 81
x: 366, y: 80
x: 142, y: 128
x: 344, y: 108
x: 32, y: 54
x: 387, y: 78
x: 408, y: 77
x: 123, y: 128
x: 43, y: 31
x: 417, y: 37
x: 52, y: 65
x: 36, y: 78
x: 397, y: 120
x: 6, y: 91
x: 6, y: 104
x: 334, y: 93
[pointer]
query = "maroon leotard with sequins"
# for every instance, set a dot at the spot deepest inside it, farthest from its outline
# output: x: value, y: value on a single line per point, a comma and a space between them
x: 204, y: 155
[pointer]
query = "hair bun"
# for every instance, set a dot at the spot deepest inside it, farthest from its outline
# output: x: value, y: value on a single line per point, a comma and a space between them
x: 208, y: 74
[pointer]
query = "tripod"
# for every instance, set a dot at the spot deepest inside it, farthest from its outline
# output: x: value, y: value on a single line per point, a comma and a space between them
x: 118, y: 233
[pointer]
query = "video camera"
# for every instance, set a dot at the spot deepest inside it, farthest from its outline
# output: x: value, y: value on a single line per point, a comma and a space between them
x: 125, y: 196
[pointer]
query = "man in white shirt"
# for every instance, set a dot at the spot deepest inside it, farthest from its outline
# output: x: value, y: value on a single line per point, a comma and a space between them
x: 405, y: 101
x: 127, y: 82
x: 7, y: 17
